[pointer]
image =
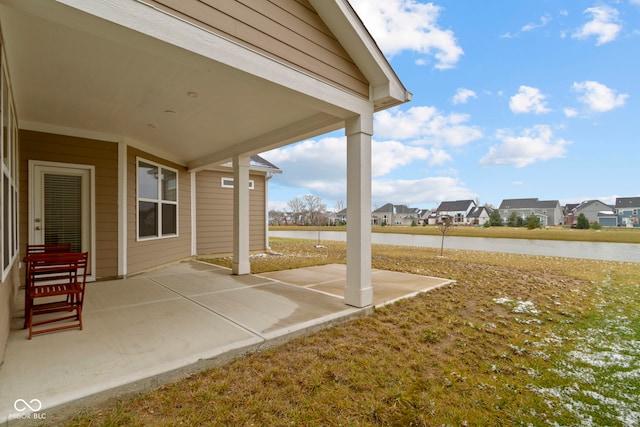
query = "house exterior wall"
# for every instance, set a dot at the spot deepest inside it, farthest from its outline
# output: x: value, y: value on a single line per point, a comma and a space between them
x: 556, y: 216
x: 264, y: 25
x: 591, y: 211
x: 103, y: 156
x: 150, y: 253
x: 214, y: 213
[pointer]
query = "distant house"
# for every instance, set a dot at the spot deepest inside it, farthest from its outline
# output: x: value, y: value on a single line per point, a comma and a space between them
x: 432, y: 218
x: 457, y: 210
x: 338, y: 218
x: 391, y: 214
x: 479, y: 215
x: 423, y: 215
x: 590, y: 209
x: 627, y: 209
x: 549, y: 211
x: 567, y: 213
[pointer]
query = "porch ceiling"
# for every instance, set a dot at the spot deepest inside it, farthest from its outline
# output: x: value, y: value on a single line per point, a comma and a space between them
x: 72, y: 72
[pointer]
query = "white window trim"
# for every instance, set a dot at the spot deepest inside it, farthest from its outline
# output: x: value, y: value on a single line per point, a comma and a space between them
x: 226, y: 182
x: 10, y: 171
x: 159, y: 201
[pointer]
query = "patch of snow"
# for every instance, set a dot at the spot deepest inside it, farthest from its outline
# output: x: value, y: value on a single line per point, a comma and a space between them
x: 525, y: 307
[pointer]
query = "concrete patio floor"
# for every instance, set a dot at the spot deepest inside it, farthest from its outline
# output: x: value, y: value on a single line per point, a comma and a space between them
x: 164, y: 325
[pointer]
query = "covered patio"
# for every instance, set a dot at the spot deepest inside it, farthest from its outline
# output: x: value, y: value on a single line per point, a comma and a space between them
x: 169, y: 323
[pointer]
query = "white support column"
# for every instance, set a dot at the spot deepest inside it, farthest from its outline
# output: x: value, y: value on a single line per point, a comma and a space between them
x: 194, y: 228
x: 267, y: 178
x: 122, y: 209
x: 241, y: 215
x: 359, y: 292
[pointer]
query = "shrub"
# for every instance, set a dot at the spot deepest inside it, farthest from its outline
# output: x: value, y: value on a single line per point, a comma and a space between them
x: 533, y: 222
x: 595, y: 225
x: 495, y: 219
x: 583, y: 222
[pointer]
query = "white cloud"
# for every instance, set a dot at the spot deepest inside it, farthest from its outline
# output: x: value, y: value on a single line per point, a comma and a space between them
x: 570, y: 112
x: 438, y: 157
x: 528, y: 100
x: 425, y: 125
x: 462, y: 96
x: 387, y: 156
x: 320, y: 166
x: 604, y: 24
x: 533, y: 145
x: 400, y: 25
x: 421, y: 193
x: 544, y: 20
x: 598, y: 97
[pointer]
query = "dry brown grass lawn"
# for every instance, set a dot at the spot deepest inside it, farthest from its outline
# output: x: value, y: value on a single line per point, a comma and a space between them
x: 480, y: 352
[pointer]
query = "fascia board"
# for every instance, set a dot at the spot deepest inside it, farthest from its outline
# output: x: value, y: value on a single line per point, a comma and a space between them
x: 345, y: 24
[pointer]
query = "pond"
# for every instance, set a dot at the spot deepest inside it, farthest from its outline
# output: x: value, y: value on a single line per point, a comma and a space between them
x: 627, y: 252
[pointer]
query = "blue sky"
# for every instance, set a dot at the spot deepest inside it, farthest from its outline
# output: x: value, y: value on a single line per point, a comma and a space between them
x: 511, y: 99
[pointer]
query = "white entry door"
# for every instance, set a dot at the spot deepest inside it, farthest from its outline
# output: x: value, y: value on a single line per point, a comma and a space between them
x: 61, y: 206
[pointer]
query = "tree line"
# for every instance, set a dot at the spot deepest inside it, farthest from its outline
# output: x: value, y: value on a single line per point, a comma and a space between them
x: 304, y: 210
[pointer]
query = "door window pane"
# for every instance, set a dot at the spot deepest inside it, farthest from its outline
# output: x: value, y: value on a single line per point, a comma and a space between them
x: 63, y: 210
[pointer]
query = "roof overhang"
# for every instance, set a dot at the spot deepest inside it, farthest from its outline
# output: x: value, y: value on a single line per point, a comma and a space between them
x: 122, y: 71
x: 386, y: 88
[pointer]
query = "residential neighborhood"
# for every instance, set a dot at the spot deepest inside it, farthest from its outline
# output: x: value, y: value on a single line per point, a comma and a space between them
x: 156, y: 269
x: 467, y: 212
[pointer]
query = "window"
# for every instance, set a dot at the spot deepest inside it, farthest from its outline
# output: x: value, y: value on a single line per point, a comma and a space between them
x: 8, y: 177
x: 157, y: 201
x: 228, y: 183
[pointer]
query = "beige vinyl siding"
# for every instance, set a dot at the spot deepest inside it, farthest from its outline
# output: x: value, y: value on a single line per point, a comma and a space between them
x: 289, y: 31
x: 214, y: 213
x: 104, y: 157
x: 148, y: 254
x: 257, y: 214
